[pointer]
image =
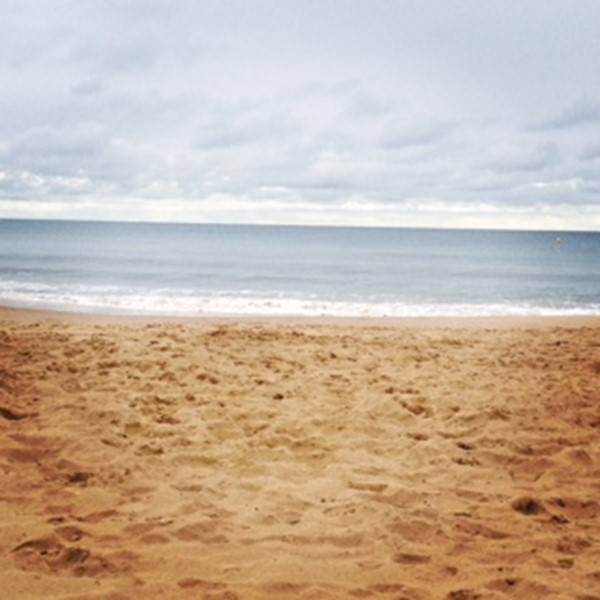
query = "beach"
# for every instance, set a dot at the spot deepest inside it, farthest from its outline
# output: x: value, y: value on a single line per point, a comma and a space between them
x: 229, y: 459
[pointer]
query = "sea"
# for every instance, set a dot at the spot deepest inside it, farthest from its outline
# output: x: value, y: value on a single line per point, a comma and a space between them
x: 260, y: 270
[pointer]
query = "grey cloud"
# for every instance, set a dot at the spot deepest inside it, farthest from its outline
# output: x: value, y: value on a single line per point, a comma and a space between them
x: 55, y: 151
x: 119, y: 57
x: 361, y: 103
x: 81, y: 139
x: 241, y: 130
x: 590, y: 152
x: 524, y: 160
x: 581, y: 114
x: 415, y: 133
x: 88, y: 87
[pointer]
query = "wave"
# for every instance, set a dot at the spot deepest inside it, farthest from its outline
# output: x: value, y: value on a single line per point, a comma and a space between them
x: 162, y: 302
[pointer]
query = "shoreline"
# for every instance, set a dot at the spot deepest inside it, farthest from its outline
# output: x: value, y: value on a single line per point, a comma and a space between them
x: 441, y: 322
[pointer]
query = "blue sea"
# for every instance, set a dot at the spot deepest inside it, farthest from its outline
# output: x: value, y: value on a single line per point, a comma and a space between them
x: 194, y: 270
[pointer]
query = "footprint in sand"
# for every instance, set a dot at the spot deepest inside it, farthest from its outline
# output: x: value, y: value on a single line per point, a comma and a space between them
x: 575, y: 508
x: 528, y: 506
x: 464, y: 595
x: 368, y: 487
x: 150, y: 450
x: 418, y: 408
x: 11, y: 415
x: 50, y: 555
x: 78, y: 478
x: 205, y: 532
x: 285, y: 587
x: 391, y: 588
x: 479, y: 530
x: 200, y: 584
x: 70, y: 533
x: 411, y: 559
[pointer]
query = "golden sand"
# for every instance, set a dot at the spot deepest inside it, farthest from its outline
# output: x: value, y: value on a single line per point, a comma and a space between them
x: 313, y: 460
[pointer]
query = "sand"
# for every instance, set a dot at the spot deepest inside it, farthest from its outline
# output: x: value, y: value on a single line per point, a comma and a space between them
x: 299, y: 459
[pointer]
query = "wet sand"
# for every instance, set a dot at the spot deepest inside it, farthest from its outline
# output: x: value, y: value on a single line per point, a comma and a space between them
x: 314, y: 459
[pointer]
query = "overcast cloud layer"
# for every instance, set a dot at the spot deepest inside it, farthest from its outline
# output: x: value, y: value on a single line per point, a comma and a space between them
x: 434, y: 113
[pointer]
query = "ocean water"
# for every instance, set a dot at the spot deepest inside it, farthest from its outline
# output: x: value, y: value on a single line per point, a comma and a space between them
x: 167, y: 269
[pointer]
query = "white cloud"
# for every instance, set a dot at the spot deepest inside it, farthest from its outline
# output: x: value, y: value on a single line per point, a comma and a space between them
x: 343, y: 111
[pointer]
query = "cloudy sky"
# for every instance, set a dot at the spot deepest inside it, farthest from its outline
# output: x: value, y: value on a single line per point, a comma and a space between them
x: 368, y: 112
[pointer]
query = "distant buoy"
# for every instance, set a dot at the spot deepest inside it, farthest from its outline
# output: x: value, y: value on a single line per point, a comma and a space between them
x: 559, y: 240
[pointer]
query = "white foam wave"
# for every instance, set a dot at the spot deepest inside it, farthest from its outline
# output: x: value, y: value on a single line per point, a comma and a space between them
x: 112, y: 300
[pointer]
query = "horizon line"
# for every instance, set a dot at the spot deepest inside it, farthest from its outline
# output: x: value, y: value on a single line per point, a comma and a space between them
x: 283, y: 224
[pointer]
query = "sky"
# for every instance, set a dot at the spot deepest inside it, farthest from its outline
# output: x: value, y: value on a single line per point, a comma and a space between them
x: 437, y: 113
